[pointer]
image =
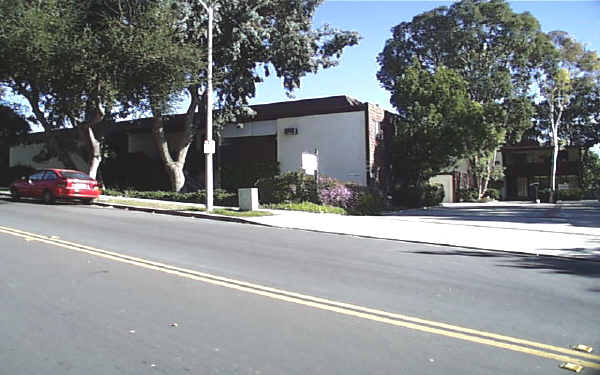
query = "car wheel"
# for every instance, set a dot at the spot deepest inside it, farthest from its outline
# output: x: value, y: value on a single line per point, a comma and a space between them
x: 15, y: 194
x: 48, y: 197
x: 87, y: 201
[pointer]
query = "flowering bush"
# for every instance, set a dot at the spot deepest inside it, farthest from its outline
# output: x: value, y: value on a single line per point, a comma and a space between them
x: 338, y: 196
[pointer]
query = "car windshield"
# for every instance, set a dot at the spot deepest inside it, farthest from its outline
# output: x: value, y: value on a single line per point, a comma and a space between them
x: 76, y: 175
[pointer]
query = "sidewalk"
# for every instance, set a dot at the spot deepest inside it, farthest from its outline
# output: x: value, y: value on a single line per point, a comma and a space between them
x: 565, y: 229
x: 554, y: 236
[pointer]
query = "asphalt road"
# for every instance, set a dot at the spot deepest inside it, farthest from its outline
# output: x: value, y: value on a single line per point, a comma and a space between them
x: 67, y: 306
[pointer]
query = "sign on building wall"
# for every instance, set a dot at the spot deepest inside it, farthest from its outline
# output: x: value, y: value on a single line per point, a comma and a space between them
x: 310, y: 163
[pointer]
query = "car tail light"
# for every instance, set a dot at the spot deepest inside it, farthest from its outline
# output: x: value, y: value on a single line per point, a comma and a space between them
x: 62, y: 183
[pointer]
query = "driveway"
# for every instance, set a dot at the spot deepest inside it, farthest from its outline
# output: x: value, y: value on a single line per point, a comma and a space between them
x: 567, y: 229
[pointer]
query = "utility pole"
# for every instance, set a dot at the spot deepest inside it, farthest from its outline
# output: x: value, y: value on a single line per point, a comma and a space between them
x: 209, y: 144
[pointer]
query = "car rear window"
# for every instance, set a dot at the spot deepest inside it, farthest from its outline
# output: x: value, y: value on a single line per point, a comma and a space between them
x: 76, y: 175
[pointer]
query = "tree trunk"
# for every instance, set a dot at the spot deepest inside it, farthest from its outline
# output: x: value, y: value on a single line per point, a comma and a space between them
x: 94, y: 116
x: 553, y: 197
x: 176, y: 176
x: 490, y: 166
x: 174, y: 166
x: 95, y: 154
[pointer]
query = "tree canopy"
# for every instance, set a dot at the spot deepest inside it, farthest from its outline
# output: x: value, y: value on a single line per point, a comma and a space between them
x: 491, y: 47
x: 438, y: 123
x: 251, y: 39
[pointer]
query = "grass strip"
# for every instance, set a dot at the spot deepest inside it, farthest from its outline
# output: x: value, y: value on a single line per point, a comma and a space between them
x: 230, y: 212
x: 162, y: 206
x: 307, y: 207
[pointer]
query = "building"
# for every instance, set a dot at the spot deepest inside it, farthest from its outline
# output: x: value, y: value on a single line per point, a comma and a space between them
x: 526, y: 165
x: 342, y: 129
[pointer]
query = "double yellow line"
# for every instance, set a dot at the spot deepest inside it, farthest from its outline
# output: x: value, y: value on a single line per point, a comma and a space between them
x: 480, y: 337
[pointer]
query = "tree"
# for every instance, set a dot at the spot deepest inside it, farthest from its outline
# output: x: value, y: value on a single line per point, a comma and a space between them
x: 437, y: 123
x: 490, y: 46
x: 29, y: 36
x: 74, y: 63
x: 591, y: 174
x: 568, y: 73
x: 252, y: 39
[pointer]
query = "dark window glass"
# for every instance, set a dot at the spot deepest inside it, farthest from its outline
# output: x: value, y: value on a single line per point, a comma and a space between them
x: 50, y: 176
x: 37, y: 176
x: 76, y: 175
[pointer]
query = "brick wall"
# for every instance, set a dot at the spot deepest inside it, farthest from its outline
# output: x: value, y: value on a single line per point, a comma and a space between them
x: 375, y: 115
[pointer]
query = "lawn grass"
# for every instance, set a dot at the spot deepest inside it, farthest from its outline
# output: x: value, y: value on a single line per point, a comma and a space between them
x: 306, y: 207
x: 157, y: 205
x: 236, y: 213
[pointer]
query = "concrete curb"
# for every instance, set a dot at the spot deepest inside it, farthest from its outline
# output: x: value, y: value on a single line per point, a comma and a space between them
x: 161, y: 211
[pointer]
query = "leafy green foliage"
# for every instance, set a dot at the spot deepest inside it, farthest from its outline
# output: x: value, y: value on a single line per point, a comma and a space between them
x: 573, y: 194
x: 491, y: 48
x: 438, y: 123
x: 365, y: 201
x: 412, y: 196
x: 290, y: 187
x: 591, y: 174
x: 569, y: 74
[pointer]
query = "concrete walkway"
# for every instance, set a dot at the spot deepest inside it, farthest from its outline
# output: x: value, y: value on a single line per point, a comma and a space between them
x: 565, y: 229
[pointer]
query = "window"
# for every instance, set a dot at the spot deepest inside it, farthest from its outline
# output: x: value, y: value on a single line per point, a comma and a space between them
x: 37, y: 176
x: 75, y: 175
x: 50, y: 176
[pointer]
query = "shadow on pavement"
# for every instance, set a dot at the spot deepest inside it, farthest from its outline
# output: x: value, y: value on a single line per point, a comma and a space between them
x: 585, y: 268
x: 33, y: 201
x: 579, y: 214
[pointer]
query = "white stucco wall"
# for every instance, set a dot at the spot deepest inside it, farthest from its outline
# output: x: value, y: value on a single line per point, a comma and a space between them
x: 446, y: 181
x: 23, y: 155
x: 339, y: 137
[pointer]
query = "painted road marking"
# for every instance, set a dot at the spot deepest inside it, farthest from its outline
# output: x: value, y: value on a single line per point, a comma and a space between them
x: 433, y: 327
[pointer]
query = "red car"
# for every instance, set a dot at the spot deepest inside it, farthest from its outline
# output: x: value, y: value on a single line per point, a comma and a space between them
x: 52, y: 184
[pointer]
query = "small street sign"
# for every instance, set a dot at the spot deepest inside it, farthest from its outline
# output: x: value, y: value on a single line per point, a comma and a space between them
x: 209, y: 147
x: 310, y: 163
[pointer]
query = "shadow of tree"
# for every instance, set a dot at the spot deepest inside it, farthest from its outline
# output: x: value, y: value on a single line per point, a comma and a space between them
x: 34, y: 201
x: 583, y: 214
x: 570, y: 266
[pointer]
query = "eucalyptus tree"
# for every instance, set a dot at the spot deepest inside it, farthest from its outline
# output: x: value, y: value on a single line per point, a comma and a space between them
x: 494, y: 50
x: 252, y: 39
x: 77, y: 61
x: 30, y: 35
x: 568, y: 76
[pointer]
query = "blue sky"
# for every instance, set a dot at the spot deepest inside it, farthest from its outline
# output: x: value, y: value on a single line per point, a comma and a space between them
x: 355, y: 75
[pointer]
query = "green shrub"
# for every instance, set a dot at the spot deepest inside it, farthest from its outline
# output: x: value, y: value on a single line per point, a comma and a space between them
x: 433, y: 195
x: 574, y: 194
x: 365, y: 201
x: 468, y: 195
x: 492, y: 193
x: 419, y: 196
x: 544, y: 195
x: 12, y: 174
x: 289, y: 187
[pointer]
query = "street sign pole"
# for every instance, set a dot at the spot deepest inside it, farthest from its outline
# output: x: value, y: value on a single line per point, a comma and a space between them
x: 209, y: 148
